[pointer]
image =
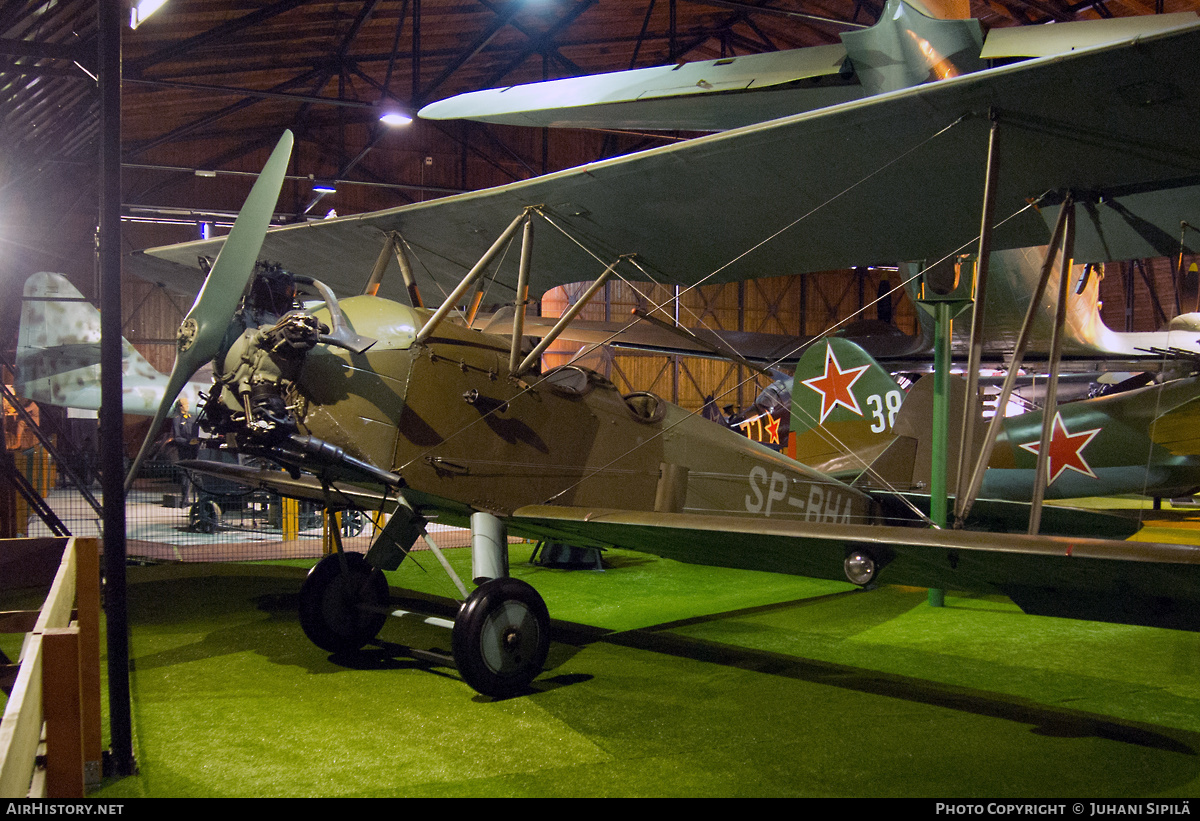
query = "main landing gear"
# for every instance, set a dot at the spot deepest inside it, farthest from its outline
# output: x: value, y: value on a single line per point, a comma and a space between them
x: 500, y: 637
x: 343, y: 603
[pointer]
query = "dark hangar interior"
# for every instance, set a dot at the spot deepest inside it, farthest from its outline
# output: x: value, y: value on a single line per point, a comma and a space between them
x: 685, y: 684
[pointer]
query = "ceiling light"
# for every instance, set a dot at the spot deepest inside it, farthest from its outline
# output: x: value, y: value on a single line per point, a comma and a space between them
x: 395, y: 118
x: 139, y: 13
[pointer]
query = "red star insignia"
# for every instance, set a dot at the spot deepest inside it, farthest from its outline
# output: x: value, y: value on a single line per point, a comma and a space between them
x: 772, y: 427
x: 1066, y: 450
x: 835, y: 386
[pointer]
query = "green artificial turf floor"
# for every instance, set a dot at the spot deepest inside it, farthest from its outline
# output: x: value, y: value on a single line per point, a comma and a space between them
x: 663, y: 680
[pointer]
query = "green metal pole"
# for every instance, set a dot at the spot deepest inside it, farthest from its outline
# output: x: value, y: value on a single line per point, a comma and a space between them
x: 938, y: 504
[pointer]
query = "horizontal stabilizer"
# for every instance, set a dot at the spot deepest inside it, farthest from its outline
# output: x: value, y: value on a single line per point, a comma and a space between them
x: 1060, y: 38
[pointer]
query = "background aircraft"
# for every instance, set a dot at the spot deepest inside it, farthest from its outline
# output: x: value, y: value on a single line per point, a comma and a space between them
x: 58, y: 354
x: 908, y: 47
x: 848, y: 413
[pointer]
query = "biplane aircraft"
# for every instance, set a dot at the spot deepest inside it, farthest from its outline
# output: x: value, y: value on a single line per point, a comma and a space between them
x: 372, y: 401
x: 848, y: 411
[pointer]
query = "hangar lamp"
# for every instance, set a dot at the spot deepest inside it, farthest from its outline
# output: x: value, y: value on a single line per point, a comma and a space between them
x: 142, y: 10
x: 395, y: 118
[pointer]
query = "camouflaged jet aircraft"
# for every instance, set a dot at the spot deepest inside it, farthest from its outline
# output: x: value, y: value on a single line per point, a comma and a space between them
x: 58, y: 354
x: 380, y: 404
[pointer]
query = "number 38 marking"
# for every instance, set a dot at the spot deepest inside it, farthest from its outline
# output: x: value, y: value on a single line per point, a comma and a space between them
x: 878, y: 404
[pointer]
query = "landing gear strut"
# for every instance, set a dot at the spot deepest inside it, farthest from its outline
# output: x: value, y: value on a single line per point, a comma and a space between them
x: 500, y: 637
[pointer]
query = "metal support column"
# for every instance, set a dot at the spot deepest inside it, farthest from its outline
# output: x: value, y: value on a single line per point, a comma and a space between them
x: 109, y: 23
x: 941, y: 413
x: 943, y: 330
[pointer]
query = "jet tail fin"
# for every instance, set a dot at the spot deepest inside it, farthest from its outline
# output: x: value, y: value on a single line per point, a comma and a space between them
x: 58, y: 352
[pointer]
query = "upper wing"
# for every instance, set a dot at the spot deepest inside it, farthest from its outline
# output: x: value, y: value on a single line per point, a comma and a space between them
x: 898, y: 176
x: 712, y: 95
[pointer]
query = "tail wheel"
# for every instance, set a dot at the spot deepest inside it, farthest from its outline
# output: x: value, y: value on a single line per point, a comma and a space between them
x: 343, y: 607
x: 501, y: 637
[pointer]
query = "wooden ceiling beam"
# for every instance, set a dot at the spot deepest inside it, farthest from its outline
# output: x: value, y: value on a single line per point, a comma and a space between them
x: 503, y: 18
x: 135, y: 68
x: 543, y: 44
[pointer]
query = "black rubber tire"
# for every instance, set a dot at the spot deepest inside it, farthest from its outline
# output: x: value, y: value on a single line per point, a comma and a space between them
x: 204, y: 516
x: 501, y: 637
x: 330, y: 603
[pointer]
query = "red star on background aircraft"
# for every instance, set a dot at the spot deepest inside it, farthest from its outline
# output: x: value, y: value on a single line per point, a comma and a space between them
x: 835, y: 386
x: 772, y: 427
x: 1066, y: 449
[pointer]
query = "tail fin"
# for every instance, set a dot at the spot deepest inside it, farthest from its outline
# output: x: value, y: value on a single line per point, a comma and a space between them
x: 58, y: 352
x: 844, y: 405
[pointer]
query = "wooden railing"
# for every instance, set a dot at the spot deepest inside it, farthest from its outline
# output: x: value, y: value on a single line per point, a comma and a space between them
x: 50, y: 738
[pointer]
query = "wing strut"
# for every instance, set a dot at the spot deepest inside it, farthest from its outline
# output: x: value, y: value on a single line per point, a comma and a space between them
x: 410, y: 281
x: 518, y: 329
x: 474, y: 274
x: 1051, y: 403
x: 565, y: 319
x: 970, y: 410
x: 963, y: 505
x: 390, y: 246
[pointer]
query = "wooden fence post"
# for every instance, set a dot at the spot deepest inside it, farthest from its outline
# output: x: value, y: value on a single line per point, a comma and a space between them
x: 60, y: 703
x: 87, y: 598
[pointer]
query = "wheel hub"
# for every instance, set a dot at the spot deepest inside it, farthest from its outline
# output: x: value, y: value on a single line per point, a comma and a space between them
x: 512, y: 639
